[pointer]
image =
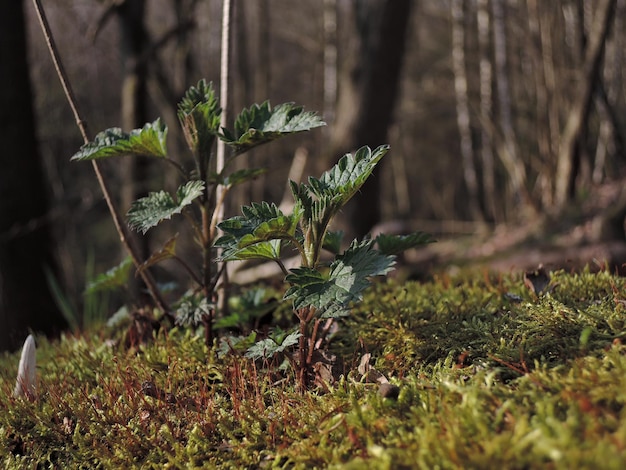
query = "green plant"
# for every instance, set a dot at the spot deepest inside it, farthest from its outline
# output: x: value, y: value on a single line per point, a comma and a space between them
x: 197, y: 197
x: 317, y: 290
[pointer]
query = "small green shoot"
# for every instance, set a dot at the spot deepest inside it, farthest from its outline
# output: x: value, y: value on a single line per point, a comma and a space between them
x: 316, y: 290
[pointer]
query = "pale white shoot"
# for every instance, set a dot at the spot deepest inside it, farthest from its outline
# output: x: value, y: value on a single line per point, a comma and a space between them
x: 25, y: 385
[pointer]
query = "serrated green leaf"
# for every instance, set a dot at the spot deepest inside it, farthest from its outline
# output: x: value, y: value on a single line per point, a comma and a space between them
x: 304, y: 282
x: 278, y: 342
x: 316, y: 216
x: 396, y: 244
x: 230, y: 344
x: 199, y: 115
x: 357, y: 264
x: 202, y: 94
x: 257, y: 233
x: 228, y: 245
x: 167, y: 251
x: 269, y: 250
x: 349, y: 174
x: 321, y: 199
x: 112, y: 279
x: 149, y: 141
x: 260, y: 222
x: 252, y: 216
x: 283, y: 227
x: 241, y: 176
x: 260, y: 124
x: 193, y: 311
x: 234, y: 320
x: 247, y: 307
x: 149, y: 211
x: 332, y: 241
x: 349, y: 275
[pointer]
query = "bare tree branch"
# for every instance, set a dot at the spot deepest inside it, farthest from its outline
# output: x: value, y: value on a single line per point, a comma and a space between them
x: 117, y: 221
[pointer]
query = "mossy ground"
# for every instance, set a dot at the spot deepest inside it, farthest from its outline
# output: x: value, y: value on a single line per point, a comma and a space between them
x: 490, y: 376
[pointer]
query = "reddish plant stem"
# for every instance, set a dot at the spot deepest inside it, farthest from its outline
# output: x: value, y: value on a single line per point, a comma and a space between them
x: 312, y: 340
x: 302, y: 376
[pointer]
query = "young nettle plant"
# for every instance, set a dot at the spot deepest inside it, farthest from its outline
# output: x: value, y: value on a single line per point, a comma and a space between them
x: 318, y: 290
x: 197, y: 196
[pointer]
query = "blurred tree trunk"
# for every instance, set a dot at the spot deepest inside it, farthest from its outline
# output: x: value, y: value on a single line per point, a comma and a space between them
x: 492, y: 210
x: 25, y: 241
x: 330, y: 61
x: 546, y: 119
x: 134, y: 40
x: 611, y: 138
x: 582, y: 158
x: 261, y: 85
x: 577, y: 120
x: 242, y: 87
x: 508, y: 150
x: 167, y: 83
x: 368, y: 88
x: 462, y: 107
x: 184, y: 10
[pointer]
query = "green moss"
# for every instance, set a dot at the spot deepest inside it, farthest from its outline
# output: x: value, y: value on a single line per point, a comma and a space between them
x: 490, y: 376
x: 489, y: 322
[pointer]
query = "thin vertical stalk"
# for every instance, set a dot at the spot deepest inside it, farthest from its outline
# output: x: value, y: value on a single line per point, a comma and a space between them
x: 82, y: 126
x: 224, y: 66
x: 221, y: 146
x: 303, y: 346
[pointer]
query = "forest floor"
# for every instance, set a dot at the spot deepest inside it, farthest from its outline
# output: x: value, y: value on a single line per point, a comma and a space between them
x: 483, y: 372
x: 591, y: 233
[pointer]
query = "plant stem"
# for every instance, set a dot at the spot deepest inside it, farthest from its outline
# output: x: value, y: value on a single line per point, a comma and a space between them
x: 207, y: 321
x: 221, y: 146
x: 178, y: 166
x: 303, y: 380
x: 218, y: 213
x: 82, y: 126
x: 219, y: 274
x: 305, y: 315
x: 190, y: 271
x: 282, y: 267
x: 197, y: 230
x: 224, y: 66
x: 312, y: 340
x: 323, y: 336
x: 206, y: 248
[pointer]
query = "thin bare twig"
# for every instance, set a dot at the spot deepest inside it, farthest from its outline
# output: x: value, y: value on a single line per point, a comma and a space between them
x: 82, y: 126
x: 221, y: 146
x: 220, y: 160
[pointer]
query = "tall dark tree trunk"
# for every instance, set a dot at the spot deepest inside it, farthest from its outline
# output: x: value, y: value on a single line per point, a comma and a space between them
x: 25, y: 241
x: 368, y: 88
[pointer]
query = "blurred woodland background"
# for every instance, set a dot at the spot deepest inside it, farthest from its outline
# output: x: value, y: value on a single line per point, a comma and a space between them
x: 505, y: 119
